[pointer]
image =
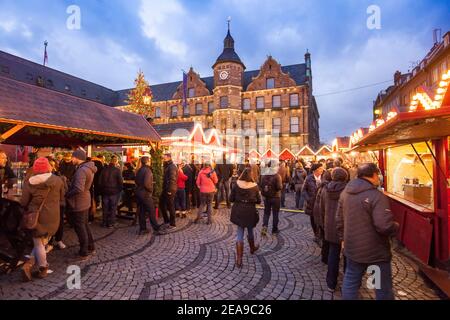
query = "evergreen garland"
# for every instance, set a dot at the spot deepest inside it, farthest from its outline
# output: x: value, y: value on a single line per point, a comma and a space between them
x: 157, y: 170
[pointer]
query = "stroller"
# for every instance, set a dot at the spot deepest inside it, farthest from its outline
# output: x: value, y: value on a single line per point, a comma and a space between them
x: 13, y: 240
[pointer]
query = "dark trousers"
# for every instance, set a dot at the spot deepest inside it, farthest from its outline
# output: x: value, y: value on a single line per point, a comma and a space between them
x: 283, y: 196
x: 353, y: 277
x: 167, y: 203
x: 223, y: 189
x: 109, y: 208
x: 299, y: 200
x: 127, y: 199
x: 180, y: 200
x: 188, y: 199
x: 59, y: 234
x: 314, y: 226
x: 81, y: 225
x: 206, y: 200
x: 271, y: 205
x: 196, y: 197
x: 146, y: 207
x: 334, y: 257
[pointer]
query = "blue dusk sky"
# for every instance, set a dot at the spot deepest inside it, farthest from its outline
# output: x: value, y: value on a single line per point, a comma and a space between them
x: 117, y: 38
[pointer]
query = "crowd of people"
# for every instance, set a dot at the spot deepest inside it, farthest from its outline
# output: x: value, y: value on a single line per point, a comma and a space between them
x: 345, y: 207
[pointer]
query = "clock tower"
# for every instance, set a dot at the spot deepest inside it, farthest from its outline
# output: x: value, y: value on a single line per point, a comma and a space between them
x: 228, y: 86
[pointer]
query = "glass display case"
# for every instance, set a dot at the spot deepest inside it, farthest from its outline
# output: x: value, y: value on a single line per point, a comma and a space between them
x: 410, y: 173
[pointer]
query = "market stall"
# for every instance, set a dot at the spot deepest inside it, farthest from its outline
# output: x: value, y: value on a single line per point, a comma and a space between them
x: 34, y: 116
x: 413, y: 154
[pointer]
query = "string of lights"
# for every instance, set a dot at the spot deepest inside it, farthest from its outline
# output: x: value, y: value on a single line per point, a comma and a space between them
x: 352, y: 89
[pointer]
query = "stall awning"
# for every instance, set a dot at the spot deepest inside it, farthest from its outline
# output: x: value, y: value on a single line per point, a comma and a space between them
x: 406, y: 128
x: 32, y: 115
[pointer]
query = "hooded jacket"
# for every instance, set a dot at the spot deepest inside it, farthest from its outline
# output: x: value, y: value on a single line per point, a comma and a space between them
x: 79, y: 195
x: 329, y: 205
x: 205, y: 184
x: 245, y: 196
x: 33, y: 194
x: 365, y: 223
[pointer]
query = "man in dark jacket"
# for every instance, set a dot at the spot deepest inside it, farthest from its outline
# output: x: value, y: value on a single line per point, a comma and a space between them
x: 67, y: 168
x: 329, y: 203
x: 309, y: 191
x: 79, y: 201
x: 99, y: 162
x: 195, y: 190
x: 167, y: 199
x: 128, y: 176
x: 224, y: 172
x: 144, y: 196
x: 7, y: 175
x: 365, y: 223
x: 110, y: 185
x: 189, y: 173
x: 271, y: 186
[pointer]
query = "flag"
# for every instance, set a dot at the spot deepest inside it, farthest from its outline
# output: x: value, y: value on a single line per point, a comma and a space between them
x: 184, y: 91
x: 45, y: 53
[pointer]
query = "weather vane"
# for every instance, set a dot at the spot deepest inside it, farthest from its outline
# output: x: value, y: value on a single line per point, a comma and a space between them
x: 228, y: 21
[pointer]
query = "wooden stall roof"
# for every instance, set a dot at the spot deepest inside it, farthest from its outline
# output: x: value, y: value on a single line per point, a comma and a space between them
x: 408, y: 127
x: 34, y: 106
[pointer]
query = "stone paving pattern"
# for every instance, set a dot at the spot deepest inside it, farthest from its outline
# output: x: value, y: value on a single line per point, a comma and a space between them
x: 196, y: 261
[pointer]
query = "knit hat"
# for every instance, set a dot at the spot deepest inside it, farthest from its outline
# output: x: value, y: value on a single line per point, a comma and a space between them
x: 79, y: 154
x: 315, y: 166
x: 339, y: 174
x: 41, y: 165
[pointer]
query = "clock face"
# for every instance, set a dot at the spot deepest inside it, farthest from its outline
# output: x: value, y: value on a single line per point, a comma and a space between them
x: 223, y: 75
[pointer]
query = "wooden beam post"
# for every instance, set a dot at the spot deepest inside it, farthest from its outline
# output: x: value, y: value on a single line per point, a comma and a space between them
x: 11, y: 131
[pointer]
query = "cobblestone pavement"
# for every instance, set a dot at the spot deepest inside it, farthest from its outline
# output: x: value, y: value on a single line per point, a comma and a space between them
x: 196, y: 261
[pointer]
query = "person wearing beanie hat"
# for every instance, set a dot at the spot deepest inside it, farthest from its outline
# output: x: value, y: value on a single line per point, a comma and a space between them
x: 46, y: 190
x: 329, y: 204
x: 79, y: 201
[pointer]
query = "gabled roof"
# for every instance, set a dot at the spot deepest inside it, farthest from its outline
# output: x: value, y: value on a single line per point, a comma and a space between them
x: 168, y: 129
x: 22, y: 103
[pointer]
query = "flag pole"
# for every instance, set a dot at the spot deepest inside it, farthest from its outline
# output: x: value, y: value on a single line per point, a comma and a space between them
x: 45, y: 52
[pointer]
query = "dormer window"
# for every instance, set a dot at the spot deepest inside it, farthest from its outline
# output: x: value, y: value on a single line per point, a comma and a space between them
x: 49, y: 83
x: 67, y: 87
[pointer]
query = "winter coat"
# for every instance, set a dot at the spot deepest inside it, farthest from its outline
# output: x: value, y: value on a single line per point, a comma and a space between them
x: 256, y: 173
x: 128, y: 175
x: 207, y: 184
x: 67, y: 169
x: 275, y: 181
x: 181, y: 180
x: 100, y: 167
x: 33, y: 194
x: 317, y: 209
x: 245, y: 195
x: 309, y: 192
x: 7, y: 175
x: 110, y: 181
x: 224, y: 171
x: 298, y: 179
x: 189, y: 173
x: 144, y: 182
x: 170, y: 178
x: 79, y: 196
x: 329, y: 204
x: 365, y: 223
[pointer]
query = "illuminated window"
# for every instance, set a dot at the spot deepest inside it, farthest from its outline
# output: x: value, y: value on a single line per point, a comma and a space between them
x: 260, y: 125
x: 276, y: 101
x: 293, y: 100
x: 198, y: 109
x: 223, y: 102
x: 294, y: 125
x: 186, y: 110
x: 246, y: 104
x: 276, y: 125
x: 157, y: 112
x: 210, y: 107
x: 408, y: 177
x: 260, y: 103
x: 174, y: 111
x: 246, y: 124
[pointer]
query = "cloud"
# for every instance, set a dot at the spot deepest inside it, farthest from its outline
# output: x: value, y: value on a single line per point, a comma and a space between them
x: 7, y: 24
x: 162, y: 22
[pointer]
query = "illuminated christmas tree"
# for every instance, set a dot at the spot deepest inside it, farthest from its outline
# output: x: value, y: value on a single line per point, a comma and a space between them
x: 140, y: 98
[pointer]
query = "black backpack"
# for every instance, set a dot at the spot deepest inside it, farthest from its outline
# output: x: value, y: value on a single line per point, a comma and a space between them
x: 268, y: 186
